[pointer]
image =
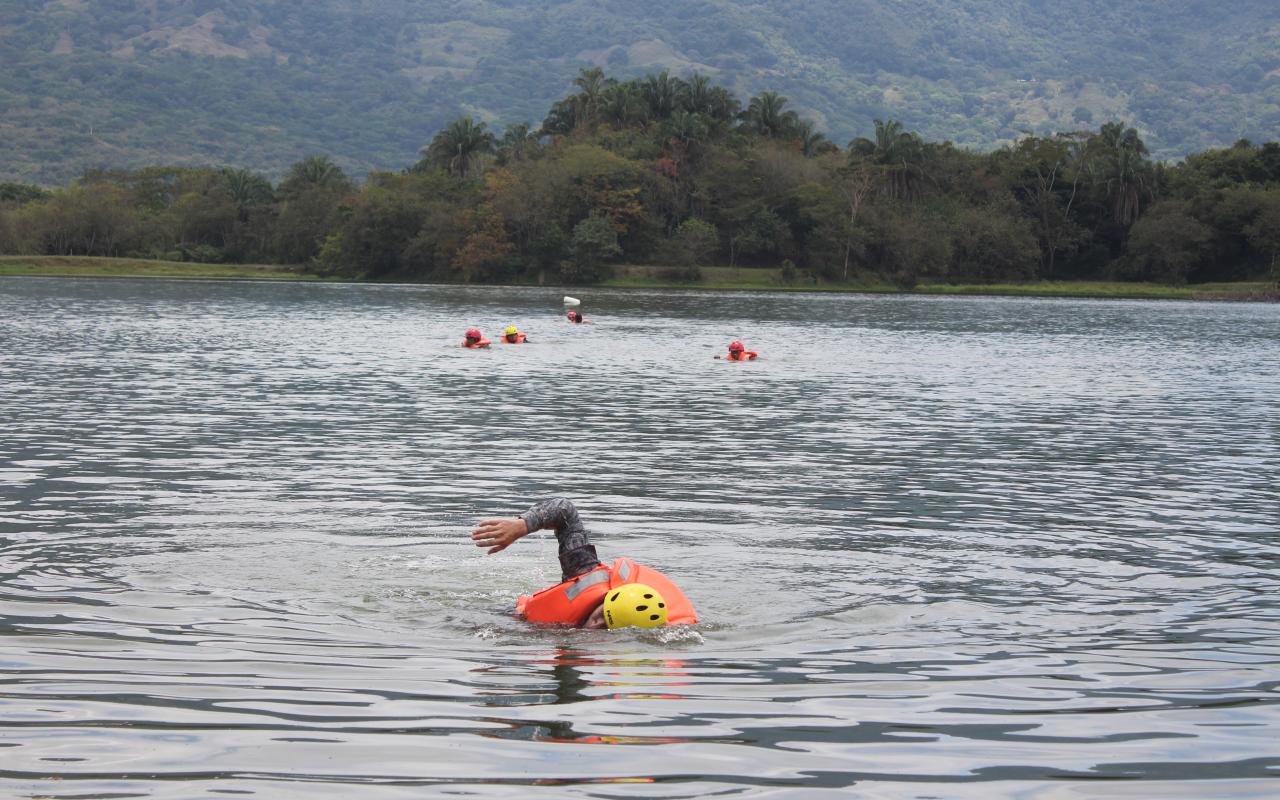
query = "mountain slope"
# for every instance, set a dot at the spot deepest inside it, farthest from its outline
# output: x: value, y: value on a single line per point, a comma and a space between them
x: 263, y: 83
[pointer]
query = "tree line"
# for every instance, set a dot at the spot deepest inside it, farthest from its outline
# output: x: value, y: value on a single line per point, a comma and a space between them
x: 662, y: 170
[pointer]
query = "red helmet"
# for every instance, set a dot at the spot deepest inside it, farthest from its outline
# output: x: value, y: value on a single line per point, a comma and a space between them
x: 574, y: 315
x: 736, y: 346
x: 474, y: 333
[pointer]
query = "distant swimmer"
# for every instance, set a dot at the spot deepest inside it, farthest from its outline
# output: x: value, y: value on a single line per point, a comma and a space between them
x: 590, y: 594
x: 512, y: 335
x: 739, y: 352
x: 474, y: 338
x: 576, y: 317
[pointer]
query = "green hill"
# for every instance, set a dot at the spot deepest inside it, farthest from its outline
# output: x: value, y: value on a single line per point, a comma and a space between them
x: 264, y: 83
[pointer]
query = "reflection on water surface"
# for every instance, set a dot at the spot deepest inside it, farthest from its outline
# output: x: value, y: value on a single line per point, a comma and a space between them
x: 941, y: 547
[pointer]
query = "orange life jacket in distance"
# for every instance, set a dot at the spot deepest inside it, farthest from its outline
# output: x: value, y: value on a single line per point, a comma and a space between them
x: 520, y: 337
x: 480, y: 343
x: 571, y: 602
x: 745, y: 355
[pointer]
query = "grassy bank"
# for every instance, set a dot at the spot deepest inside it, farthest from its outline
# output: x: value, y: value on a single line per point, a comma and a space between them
x: 87, y: 267
x: 727, y: 278
x: 644, y: 277
x: 1259, y: 291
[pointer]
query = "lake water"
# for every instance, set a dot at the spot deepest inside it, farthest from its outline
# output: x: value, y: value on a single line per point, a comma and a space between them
x: 955, y: 548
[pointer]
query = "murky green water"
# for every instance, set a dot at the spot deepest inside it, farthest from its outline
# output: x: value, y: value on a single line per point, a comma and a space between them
x: 941, y: 547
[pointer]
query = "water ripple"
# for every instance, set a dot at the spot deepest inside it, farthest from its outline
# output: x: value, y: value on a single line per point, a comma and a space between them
x: 938, y: 545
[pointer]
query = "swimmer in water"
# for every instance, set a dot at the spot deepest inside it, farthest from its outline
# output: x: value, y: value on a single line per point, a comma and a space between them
x: 512, y: 335
x: 576, y: 317
x: 590, y: 594
x: 739, y: 352
x: 473, y: 338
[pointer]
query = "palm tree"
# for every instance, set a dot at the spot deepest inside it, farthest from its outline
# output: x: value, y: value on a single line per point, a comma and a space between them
x: 899, y: 155
x: 623, y: 105
x: 764, y: 116
x: 592, y: 83
x: 314, y: 172
x: 1126, y: 172
x: 456, y: 147
x: 517, y: 143
x: 700, y: 94
x: 703, y: 97
x: 663, y: 94
x: 247, y: 189
x: 724, y: 106
x: 888, y: 142
x: 811, y: 141
x: 686, y: 128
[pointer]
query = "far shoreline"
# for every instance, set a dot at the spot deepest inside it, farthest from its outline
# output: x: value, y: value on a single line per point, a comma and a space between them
x: 713, y: 279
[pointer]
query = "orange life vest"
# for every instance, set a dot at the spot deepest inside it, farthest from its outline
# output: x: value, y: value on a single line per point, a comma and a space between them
x: 481, y: 343
x: 571, y: 602
x: 745, y: 355
x: 520, y: 337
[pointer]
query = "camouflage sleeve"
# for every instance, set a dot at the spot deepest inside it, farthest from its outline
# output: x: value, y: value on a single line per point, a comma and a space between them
x: 577, y: 554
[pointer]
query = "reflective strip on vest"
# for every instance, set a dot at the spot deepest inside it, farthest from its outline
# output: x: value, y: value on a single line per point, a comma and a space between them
x: 588, y: 580
x: 624, y: 569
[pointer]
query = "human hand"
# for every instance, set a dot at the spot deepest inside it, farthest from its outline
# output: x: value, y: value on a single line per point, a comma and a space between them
x: 498, y: 534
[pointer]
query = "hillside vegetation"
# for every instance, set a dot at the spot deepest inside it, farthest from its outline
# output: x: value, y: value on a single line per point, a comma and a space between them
x: 264, y: 83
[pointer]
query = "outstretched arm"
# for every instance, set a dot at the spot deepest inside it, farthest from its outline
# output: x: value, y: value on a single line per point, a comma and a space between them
x: 577, y: 554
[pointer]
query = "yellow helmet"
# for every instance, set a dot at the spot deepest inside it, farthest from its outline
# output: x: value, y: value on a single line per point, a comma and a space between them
x: 510, y: 331
x: 634, y: 604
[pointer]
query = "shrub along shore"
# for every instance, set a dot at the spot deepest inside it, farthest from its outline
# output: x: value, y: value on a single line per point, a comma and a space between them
x: 676, y: 175
x: 642, y: 277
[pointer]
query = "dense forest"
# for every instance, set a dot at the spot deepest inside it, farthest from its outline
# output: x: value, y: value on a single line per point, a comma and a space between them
x: 681, y: 173
x: 265, y: 83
